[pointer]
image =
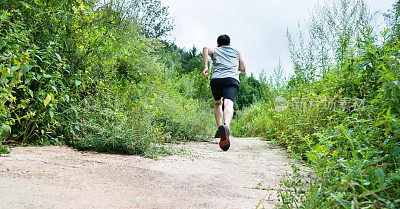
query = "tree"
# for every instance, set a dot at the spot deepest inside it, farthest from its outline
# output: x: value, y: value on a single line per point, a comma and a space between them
x: 249, y: 91
x: 193, y: 52
x: 152, y: 17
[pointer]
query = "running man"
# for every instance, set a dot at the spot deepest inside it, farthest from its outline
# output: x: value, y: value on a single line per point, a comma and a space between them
x: 227, y: 62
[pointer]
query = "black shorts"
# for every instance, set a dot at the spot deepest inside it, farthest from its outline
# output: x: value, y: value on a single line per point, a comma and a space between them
x: 224, y: 87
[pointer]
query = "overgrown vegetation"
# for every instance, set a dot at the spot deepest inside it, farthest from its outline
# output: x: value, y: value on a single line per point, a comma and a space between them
x: 98, y: 76
x: 343, y: 110
x: 94, y: 75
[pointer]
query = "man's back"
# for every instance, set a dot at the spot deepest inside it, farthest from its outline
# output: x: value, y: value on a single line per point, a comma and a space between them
x: 225, y: 63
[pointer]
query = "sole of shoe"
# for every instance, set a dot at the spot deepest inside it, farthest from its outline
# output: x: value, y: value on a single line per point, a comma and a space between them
x: 224, y: 143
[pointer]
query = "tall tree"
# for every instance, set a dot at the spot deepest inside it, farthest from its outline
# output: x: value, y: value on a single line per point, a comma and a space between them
x: 153, y: 17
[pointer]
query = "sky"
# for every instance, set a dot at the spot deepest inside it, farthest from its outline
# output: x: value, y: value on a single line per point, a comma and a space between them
x: 257, y: 28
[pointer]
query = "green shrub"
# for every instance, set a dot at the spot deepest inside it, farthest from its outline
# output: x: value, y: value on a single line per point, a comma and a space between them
x: 86, y: 73
x: 4, y: 149
x: 253, y: 120
x: 355, y: 151
x: 35, y: 78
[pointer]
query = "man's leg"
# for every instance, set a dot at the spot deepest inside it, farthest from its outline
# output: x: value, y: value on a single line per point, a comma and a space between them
x: 228, y: 111
x: 229, y: 92
x: 223, y: 131
x: 218, y: 112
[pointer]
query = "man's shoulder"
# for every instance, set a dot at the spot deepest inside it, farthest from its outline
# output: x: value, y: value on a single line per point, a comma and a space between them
x: 227, y: 49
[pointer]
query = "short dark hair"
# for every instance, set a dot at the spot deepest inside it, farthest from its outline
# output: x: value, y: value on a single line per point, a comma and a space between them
x: 223, y: 40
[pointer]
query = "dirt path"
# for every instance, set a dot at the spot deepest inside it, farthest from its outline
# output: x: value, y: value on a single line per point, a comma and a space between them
x: 60, y: 177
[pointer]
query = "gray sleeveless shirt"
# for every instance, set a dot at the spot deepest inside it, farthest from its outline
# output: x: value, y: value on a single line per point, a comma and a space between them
x: 225, y: 63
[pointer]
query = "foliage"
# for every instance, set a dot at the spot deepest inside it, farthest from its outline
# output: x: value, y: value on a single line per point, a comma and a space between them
x: 91, y: 75
x: 184, y: 118
x: 251, y: 118
x: 334, y: 30
x: 249, y: 91
x: 353, y: 149
x: 151, y: 15
x: 36, y: 80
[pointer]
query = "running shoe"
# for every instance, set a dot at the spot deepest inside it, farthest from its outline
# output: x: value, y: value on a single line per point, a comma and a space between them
x: 224, y: 143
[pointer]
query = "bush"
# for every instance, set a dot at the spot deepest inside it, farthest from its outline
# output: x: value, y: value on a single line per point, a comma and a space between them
x: 36, y: 79
x: 87, y: 74
x: 355, y: 151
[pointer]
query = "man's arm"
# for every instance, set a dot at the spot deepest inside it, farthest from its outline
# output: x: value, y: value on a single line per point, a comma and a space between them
x: 242, y: 67
x: 206, y: 52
